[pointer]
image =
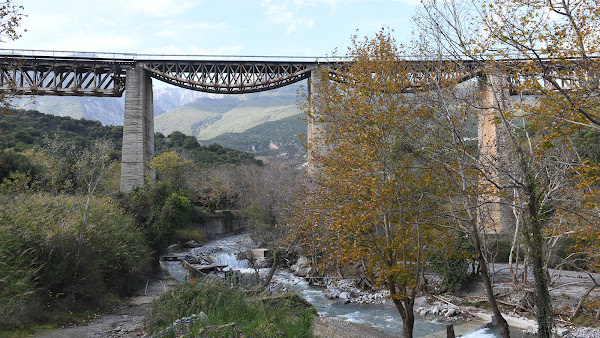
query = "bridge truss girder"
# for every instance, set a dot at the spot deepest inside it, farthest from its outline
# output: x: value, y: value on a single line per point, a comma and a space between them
x: 62, y: 76
x: 228, y: 77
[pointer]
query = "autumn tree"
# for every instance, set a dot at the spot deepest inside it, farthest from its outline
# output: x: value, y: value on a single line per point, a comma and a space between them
x: 11, y: 15
x: 372, y: 197
x: 543, y: 51
x: 171, y: 169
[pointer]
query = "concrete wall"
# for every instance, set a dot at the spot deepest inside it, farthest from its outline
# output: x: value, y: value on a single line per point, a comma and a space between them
x: 222, y: 223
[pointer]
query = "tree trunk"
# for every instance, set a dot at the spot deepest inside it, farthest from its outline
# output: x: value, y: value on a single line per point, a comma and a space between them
x: 581, y: 301
x: 543, y: 300
x: 535, y: 240
x: 487, y: 282
x: 272, y: 271
x: 406, y: 312
x: 408, y: 325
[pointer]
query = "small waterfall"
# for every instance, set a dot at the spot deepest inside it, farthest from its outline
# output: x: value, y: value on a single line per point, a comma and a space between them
x: 231, y: 260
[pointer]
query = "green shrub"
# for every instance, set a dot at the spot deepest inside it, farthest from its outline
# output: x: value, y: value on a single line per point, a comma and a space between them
x: 270, y: 317
x: 451, y: 262
x: 184, y: 235
x: 44, y: 266
x: 165, y: 217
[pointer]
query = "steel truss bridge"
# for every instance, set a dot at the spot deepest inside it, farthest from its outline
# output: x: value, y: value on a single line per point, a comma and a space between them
x: 78, y: 74
x: 34, y: 72
x: 24, y: 72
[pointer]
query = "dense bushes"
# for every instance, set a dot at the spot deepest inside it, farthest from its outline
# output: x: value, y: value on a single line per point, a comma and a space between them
x: 12, y: 163
x: 223, y: 305
x: 451, y: 261
x: 165, y: 216
x: 202, y: 155
x: 45, y: 265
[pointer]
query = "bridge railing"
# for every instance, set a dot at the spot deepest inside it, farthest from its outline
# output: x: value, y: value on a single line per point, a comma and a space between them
x: 34, y: 53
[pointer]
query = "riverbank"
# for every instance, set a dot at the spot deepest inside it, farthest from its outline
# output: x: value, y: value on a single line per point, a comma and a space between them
x: 128, y: 320
x: 470, y: 304
x: 347, y: 304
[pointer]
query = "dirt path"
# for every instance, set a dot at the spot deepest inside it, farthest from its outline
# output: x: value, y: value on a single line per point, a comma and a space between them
x: 126, y: 321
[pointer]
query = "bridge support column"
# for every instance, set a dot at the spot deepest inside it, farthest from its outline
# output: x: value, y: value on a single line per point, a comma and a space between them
x: 495, y: 213
x: 138, y: 130
x: 316, y: 130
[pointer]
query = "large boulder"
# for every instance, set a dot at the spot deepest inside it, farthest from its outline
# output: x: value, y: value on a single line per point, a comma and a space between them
x: 302, y: 267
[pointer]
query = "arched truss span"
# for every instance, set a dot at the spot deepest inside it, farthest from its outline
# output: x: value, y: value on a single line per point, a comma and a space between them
x: 229, y: 77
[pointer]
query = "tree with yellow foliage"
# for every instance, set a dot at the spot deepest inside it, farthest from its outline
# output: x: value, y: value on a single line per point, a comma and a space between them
x: 546, y: 52
x: 372, y: 196
x: 171, y: 169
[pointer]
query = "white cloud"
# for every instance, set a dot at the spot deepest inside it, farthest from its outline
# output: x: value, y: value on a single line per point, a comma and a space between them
x: 287, y: 13
x: 193, y: 50
x: 160, y: 8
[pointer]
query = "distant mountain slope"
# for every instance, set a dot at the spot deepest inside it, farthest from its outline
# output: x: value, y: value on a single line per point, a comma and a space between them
x: 176, y: 109
x: 210, y: 117
x: 108, y: 110
x: 194, y: 117
x: 282, y: 139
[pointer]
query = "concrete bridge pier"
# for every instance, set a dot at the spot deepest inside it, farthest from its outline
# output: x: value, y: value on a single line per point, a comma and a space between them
x: 138, y: 130
x: 495, y: 214
x: 316, y: 130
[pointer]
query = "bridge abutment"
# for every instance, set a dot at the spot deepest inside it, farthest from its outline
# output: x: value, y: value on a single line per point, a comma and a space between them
x: 138, y: 130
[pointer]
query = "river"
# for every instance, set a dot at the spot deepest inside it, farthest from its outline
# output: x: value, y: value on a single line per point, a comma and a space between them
x: 384, y: 317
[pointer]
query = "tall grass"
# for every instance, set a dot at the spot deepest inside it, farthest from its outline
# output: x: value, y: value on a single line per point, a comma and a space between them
x: 45, y: 269
x: 231, y: 313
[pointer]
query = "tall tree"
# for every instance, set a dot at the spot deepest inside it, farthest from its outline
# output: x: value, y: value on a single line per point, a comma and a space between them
x: 542, y: 50
x: 371, y: 198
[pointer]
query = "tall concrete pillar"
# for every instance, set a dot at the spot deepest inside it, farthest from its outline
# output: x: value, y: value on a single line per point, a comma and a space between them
x: 138, y: 130
x: 316, y: 130
x: 495, y: 213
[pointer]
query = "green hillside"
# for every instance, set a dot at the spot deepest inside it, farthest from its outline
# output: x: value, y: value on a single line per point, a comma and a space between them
x: 26, y: 129
x: 282, y: 139
x: 194, y: 117
x: 250, y: 113
x: 209, y: 117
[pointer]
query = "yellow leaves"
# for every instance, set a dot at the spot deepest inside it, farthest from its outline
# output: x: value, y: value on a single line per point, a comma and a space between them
x: 170, y: 167
x: 372, y: 199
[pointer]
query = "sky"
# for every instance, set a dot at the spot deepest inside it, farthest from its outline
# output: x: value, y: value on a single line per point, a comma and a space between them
x: 209, y: 27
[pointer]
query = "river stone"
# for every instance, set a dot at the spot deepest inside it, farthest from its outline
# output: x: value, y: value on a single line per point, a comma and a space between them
x: 344, y: 295
x: 332, y: 292
x: 191, y: 244
x: 203, y: 317
x: 172, y: 248
x: 451, y: 313
x: 302, y: 267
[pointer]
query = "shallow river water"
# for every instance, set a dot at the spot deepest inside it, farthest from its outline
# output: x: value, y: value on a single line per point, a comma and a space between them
x: 381, y: 316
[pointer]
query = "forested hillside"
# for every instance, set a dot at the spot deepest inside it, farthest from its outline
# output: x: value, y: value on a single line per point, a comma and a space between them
x: 209, y: 117
x: 282, y: 139
x: 25, y: 129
